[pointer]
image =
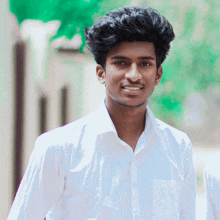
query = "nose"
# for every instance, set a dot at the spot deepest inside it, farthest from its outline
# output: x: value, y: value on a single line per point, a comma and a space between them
x: 133, y: 74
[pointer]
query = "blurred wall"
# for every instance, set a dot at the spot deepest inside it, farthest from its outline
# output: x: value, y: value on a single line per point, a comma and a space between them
x: 8, y: 37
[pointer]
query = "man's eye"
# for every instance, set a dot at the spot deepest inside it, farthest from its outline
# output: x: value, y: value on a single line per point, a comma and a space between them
x: 145, y: 64
x: 120, y: 63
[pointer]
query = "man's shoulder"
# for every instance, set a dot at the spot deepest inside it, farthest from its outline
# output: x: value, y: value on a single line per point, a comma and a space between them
x: 66, y: 134
x: 170, y: 131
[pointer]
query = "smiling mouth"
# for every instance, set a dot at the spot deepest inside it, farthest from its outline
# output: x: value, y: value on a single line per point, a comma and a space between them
x: 131, y: 88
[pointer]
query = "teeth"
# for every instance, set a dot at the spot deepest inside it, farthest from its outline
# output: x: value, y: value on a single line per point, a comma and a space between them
x: 132, y: 88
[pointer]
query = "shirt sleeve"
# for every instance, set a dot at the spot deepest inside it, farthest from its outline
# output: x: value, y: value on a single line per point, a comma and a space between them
x: 42, y: 183
x: 188, y: 193
x: 212, y: 186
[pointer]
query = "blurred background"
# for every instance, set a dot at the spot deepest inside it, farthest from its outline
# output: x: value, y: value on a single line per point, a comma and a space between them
x: 47, y: 77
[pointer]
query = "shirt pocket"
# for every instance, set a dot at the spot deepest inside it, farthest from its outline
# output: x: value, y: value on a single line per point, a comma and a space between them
x: 166, y: 197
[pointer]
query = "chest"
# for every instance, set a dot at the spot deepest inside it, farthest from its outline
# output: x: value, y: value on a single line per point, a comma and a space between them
x: 111, y: 164
x: 113, y: 178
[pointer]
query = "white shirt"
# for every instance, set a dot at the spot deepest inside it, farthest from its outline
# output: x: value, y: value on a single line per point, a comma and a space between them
x: 84, y: 171
x: 212, y: 184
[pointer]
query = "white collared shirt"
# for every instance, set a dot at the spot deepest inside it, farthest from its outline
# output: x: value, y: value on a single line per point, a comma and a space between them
x: 212, y: 185
x: 84, y: 171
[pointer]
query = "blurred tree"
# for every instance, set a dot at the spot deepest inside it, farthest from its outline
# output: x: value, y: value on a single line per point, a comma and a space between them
x: 74, y: 15
x: 192, y: 65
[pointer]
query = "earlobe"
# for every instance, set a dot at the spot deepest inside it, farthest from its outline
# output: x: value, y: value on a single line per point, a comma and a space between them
x: 100, y: 72
x: 159, y: 75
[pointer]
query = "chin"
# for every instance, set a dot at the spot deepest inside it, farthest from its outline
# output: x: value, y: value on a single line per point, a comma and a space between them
x: 127, y: 104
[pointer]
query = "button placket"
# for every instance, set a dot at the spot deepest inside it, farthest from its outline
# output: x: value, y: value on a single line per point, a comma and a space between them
x: 134, y: 191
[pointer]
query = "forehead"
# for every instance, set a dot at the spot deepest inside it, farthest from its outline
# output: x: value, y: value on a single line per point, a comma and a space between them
x: 133, y: 50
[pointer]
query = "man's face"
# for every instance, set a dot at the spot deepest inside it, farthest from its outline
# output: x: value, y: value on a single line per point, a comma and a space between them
x: 131, y: 73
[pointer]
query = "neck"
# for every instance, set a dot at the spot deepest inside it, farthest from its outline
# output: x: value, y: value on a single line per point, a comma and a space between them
x: 128, y: 121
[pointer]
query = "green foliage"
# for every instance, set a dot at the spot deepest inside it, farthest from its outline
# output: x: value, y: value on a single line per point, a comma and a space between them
x: 192, y: 65
x: 74, y: 15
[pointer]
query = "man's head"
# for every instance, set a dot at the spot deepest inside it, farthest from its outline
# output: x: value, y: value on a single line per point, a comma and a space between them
x: 129, y: 45
x: 129, y: 24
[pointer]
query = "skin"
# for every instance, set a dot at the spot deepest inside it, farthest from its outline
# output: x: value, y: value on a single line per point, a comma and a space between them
x: 130, y: 64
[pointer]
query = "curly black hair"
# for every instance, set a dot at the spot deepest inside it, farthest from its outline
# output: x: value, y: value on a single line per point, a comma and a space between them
x: 129, y: 24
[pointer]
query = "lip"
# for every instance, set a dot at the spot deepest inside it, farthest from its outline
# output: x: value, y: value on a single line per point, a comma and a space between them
x: 132, y: 89
x: 132, y: 86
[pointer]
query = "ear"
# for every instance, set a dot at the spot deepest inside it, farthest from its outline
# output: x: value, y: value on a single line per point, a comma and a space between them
x: 159, y: 75
x: 100, y: 72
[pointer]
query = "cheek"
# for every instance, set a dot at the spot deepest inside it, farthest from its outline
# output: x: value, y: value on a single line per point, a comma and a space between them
x: 150, y: 79
x: 113, y: 77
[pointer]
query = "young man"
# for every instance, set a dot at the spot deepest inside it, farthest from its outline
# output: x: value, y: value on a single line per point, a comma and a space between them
x: 119, y: 162
x: 212, y: 185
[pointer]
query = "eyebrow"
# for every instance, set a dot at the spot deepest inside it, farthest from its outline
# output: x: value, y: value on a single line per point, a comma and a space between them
x: 126, y: 58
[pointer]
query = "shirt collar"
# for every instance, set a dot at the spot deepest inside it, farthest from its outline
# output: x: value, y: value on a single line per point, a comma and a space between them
x: 150, y: 124
x: 104, y: 123
x: 103, y: 120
